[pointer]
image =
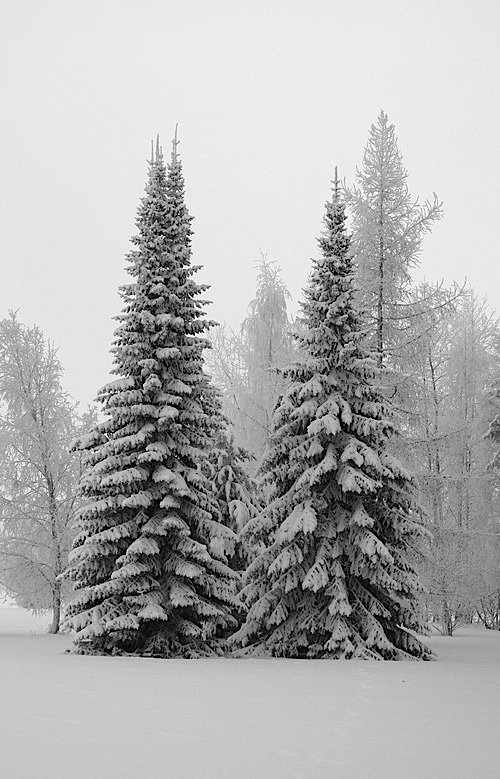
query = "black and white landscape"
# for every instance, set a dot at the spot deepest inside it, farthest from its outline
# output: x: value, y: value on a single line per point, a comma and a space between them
x: 250, y: 458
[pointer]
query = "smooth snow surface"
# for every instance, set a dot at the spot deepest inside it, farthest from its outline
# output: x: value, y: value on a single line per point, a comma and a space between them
x: 68, y: 716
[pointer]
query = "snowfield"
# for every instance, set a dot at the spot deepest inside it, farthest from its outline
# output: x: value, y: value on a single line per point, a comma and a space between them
x: 69, y: 716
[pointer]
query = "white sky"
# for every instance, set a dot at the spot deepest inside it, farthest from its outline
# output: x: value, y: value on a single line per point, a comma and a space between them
x: 269, y: 96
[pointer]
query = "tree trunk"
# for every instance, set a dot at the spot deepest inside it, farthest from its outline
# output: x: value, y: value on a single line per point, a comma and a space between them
x: 380, y: 321
x: 447, y: 617
x: 56, y: 587
x: 56, y: 609
x: 380, y: 296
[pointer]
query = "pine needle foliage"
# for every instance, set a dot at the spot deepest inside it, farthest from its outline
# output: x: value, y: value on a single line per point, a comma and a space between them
x: 149, y: 563
x: 236, y: 494
x: 337, y: 577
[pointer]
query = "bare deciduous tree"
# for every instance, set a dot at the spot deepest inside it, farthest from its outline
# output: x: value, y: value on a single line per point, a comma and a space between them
x: 247, y: 366
x: 38, y: 475
x: 454, y: 365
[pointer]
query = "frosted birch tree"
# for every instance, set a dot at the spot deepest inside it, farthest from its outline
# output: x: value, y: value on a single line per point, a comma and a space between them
x: 38, y: 474
x: 248, y: 366
x: 455, y: 362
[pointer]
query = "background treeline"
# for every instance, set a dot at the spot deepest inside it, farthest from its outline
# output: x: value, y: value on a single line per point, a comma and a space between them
x: 438, y: 348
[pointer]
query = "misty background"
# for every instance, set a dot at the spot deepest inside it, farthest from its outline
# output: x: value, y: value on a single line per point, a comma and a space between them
x: 269, y: 97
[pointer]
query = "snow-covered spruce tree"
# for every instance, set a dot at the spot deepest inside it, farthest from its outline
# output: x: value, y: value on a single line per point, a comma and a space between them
x: 337, y: 578
x: 149, y: 563
x: 493, y: 432
x: 236, y: 494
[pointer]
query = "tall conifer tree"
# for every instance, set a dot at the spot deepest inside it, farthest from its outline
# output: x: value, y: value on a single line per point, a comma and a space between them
x: 337, y: 577
x: 388, y: 230
x: 149, y: 563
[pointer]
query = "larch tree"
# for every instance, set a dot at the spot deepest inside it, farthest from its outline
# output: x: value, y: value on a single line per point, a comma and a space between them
x: 388, y: 229
x: 38, y: 473
x: 149, y: 563
x: 338, y: 575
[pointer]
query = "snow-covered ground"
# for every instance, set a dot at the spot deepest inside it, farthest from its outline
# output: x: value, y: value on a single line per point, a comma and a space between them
x: 68, y: 716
